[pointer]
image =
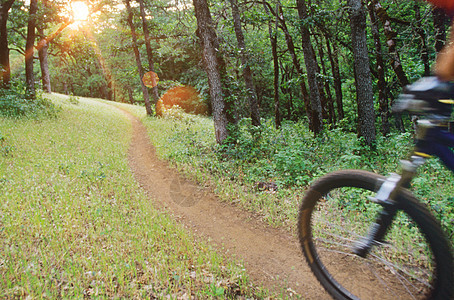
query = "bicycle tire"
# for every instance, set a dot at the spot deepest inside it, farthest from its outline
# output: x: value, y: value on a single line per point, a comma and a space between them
x: 325, y: 257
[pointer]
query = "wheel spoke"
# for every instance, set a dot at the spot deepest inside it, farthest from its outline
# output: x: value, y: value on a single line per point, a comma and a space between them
x: 400, y: 267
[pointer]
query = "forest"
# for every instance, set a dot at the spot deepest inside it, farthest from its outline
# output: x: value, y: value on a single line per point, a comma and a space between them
x: 330, y: 64
x: 162, y: 149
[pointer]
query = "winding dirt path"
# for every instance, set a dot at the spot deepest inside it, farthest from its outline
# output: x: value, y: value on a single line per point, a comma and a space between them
x: 272, y: 257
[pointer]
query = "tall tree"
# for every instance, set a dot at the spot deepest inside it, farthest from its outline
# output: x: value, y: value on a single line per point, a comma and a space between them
x: 441, y: 21
x: 146, y: 96
x: 327, y: 99
x: 333, y: 51
x: 390, y: 34
x: 334, y: 61
x: 247, y: 73
x: 29, y: 49
x: 5, y: 6
x: 215, y: 68
x: 273, y: 41
x: 311, y: 69
x: 364, y: 92
x: 422, y: 35
x: 46, y: 15
x: 146, y: 34
x: 43, y: 47
x: 296, y: 63
x: 381, y: 82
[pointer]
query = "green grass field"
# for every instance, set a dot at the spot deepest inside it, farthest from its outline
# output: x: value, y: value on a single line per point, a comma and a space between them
x: 75, y: 224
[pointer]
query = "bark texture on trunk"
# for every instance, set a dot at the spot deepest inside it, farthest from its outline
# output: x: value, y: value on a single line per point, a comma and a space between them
x: 5, y: 6
x: 422, y: 35
x: 364, y: 92
x: 441, y: 22
x: 146, y: 97
x: 311, y: 68
x: 334, y: 60
x: 44, y: 64
x: 29, y: 49
x: 215, y: 69
x: 382, y: 91
x: 247, y: 73
x: 390, y: 34
x: 146, y: 33
x: 296, y: 63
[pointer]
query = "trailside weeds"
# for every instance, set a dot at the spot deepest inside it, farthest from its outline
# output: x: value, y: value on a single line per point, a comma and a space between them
x: 75, y: 224
x: 267, y: 170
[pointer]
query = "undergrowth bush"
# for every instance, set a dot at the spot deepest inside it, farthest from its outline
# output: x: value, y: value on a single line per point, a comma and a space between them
x: 15, y: 103
x: 5, y: 148
x: 290, y: 159
x: 290, y: 156
x: 267, y: 169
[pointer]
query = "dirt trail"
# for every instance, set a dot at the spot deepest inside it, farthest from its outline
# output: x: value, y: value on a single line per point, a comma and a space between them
x: 271, y: 257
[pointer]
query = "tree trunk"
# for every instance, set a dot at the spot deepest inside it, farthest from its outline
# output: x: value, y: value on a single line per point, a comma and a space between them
x: 146, y: 97
x: 277, y: 111
x: 65, y: 88
x: 391, y: 42
x: 297, y: 65
x: 130, y: 95
x: 4, y: 50
x: 441, y: 21
x: 106, y: 90
x: 323, y: 98
x: 29, y: 48
x: 215, y: 69
x: 273, y: 40
x: 286, y: 75
x: 247, y: 73
x: 422, y: 35
x: 329, y: 103
x: 311, y: 68
x: 382, y: 93
x: 43, y: 61
x: 364, y: 93
x: 334, y: 60
x: 146, y: 33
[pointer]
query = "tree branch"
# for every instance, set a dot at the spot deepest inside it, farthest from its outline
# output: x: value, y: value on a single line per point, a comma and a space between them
x: 21, y: 51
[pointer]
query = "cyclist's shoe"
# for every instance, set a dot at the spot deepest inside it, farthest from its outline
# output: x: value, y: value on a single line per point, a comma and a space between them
x: 428, y: 95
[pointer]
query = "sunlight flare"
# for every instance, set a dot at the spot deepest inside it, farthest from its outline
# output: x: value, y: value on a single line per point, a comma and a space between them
x: 80, y: 11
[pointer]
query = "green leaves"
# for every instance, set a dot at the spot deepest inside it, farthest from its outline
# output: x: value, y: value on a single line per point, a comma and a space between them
x: 5, y: 149
x: 295, y: 166
x: 214, y: 291
x: 14, y: 103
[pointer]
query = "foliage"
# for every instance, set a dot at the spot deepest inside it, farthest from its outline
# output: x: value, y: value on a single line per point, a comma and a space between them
x: 85, y: 61
x: 15, y: 103
x: 78, y: 67
x: 73, y: 99
x: 5, y: 149
x: 434, y: 186
x: 185, y: 97
x: 267, y: 170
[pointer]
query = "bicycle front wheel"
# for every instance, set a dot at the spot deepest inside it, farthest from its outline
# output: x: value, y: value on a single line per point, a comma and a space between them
x: 414, y: 261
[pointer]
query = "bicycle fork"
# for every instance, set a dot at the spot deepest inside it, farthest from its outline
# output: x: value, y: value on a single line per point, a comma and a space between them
x: 387, y: 197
